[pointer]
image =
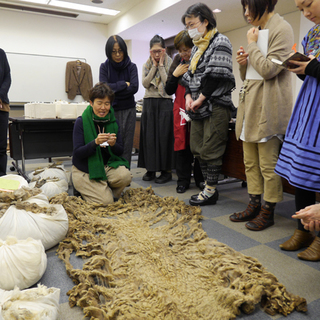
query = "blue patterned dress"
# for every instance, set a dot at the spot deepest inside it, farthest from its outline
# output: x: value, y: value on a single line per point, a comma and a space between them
x: 299, y: 160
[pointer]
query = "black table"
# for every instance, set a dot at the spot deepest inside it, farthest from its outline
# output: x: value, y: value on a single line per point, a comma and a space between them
x: 39, y: 138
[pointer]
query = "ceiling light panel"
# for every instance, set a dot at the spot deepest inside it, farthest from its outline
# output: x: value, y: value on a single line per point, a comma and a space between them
x: 36, y: 1
x: 81, y: 7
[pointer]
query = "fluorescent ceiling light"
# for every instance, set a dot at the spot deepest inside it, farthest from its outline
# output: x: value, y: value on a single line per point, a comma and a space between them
x: 216, y: 10
x: 37, y: 1
x: 81, y: 7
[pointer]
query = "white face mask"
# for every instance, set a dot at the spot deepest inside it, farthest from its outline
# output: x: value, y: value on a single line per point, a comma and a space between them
x: 195, y: 34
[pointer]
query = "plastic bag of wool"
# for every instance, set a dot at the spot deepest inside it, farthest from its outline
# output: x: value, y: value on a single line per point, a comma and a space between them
x: 39, y: 303
x: 148, y: 258
x: 22, y: 262
x: 27, y: 213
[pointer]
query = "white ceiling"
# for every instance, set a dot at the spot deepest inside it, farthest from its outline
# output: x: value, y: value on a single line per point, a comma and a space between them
x: 167, y: 22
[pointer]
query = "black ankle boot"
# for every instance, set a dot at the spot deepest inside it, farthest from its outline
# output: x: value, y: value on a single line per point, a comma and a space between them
x: 149, y: 175
x: 206, y: 201
x: 164, y: 177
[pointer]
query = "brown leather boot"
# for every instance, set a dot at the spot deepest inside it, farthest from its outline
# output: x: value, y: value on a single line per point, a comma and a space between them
x: 312, y: 253
x: 300, y: 239
x: 262, y: 221
x: 250, y: 213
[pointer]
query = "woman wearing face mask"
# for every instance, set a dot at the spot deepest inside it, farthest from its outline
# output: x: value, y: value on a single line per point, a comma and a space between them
x: 209, y: 82
x: 156, y: 133
x: 299, y: 160
x: 264, y: 110
x: 122, y: 76
x: 184, y: 157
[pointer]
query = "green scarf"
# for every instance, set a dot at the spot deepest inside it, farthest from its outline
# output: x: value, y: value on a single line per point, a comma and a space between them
x: 95, y: 161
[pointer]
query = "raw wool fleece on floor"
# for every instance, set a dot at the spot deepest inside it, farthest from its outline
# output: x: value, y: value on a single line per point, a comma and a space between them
x: 149, y: 258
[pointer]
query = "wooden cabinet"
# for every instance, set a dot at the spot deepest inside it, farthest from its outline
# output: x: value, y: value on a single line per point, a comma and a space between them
x: 136, y: 137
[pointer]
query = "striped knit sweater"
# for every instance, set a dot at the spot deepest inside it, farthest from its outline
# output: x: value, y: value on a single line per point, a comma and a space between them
x: 215, y: 69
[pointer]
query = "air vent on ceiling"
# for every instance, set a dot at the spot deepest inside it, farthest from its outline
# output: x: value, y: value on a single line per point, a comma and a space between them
x: 38, y: 10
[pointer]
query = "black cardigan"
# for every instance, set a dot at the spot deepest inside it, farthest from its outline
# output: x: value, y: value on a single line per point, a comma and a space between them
x: 5, y: 77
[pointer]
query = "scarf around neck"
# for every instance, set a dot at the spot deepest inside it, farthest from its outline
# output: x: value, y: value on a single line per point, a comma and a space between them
x: 156, y: 81
x: 312, y: 45
x: 202, y: 45
x: 95, y: 161
x: 119, y: 66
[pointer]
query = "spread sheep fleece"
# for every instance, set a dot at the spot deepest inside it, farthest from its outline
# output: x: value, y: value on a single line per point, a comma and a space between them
x: 148, y: 257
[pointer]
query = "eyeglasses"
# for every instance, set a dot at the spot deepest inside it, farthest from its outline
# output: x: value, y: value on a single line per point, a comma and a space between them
x: 192, y: 25
x: 156, y: 51
x: 115, y: 52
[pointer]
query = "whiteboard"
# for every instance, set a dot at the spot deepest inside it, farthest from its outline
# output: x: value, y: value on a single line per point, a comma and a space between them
x: 38, y: 77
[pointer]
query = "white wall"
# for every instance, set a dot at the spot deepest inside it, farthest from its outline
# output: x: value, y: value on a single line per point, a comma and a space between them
x: 47, y: 35
x: 139, y: 55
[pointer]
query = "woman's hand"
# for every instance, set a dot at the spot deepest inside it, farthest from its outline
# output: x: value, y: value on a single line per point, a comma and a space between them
x: 242, y: 57
x: 180, y: 70
x: 253, y: 35
x: 111, y: 138
x: 310, y: 217
x: 155, y: 63
x: 189, y: 101
x: 197, y: 103
x: 162, y: 56
x: 301, y: 66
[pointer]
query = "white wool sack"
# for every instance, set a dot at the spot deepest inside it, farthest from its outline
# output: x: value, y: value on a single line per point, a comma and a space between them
x: 22, y: 262
x: 50, y: 173
x: 52, y: 188
x: 50, y: 229
x: 23, y: 182
x: 39, y: 303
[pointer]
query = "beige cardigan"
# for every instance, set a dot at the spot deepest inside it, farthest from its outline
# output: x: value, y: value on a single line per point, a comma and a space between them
x: 267, y: 104
x: 151, y: 90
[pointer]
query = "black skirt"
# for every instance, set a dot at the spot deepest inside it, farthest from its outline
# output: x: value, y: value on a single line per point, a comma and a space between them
x: 156, y: 135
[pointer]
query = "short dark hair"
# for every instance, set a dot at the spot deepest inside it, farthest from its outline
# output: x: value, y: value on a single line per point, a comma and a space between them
x: 110, y: 43
x: 258, y: 7
x: 100, y: 91
x: 182, y: 38
x: 157, y: 39
x: 202, y: 11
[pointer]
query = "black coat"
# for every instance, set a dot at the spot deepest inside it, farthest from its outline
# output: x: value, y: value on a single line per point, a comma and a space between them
x: 5, y: 77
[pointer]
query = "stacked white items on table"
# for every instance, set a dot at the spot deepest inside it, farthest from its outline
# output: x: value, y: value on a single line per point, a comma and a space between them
x: 60, y: 105
x: 58, y: 109
x: 40, y: 110
x: 81, y: 107
x: 39, y: 303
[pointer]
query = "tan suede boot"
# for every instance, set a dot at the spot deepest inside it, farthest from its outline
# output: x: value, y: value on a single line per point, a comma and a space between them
x: 312, y: 253
x: 300, y: 239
